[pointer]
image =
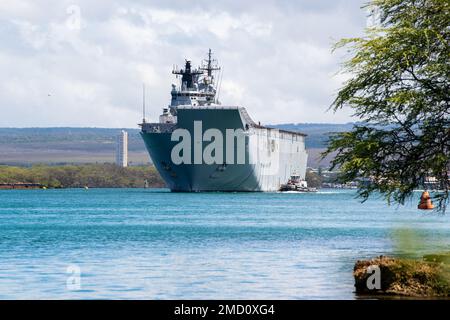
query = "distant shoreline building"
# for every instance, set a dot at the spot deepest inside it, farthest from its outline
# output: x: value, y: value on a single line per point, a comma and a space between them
x: 122, y: 149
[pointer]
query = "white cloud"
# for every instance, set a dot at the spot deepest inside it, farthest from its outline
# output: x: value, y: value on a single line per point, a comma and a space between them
x: 276, y: 58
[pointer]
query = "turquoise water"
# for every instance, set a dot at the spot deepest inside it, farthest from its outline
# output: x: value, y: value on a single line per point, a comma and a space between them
x: 153, y: 244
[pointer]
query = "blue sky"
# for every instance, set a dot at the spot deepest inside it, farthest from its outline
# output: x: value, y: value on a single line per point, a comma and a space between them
x: 82, y: 63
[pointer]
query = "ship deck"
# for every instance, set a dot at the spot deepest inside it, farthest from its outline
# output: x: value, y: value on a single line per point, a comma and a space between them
x: 244, y: 115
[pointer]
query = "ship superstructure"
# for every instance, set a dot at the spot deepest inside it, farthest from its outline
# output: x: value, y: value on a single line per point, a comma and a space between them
x: 201, y: 145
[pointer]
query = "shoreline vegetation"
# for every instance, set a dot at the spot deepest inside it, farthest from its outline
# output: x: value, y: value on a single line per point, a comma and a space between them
x: 104, y: 175
x: 79, y: 176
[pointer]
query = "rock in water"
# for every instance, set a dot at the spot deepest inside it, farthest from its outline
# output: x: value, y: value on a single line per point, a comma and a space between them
x: 416, y: 278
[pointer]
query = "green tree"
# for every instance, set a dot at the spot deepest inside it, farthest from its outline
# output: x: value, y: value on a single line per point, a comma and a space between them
x: 76, y: 176
x: 399, y: 90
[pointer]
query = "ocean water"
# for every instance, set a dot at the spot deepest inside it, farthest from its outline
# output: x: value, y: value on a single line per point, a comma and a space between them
x: 153, y: 244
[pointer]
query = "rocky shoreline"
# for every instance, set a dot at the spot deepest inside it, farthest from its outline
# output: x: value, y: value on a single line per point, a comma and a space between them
x: 386, y: 276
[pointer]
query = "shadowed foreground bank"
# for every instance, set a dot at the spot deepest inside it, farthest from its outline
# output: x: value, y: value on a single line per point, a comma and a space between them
x: 429, y: 277
x: 76, y: 176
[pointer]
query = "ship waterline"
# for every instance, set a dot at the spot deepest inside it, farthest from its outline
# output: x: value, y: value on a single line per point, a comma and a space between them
x: 200, y: 145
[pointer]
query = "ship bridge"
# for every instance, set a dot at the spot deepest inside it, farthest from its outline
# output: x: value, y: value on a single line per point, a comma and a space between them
x: 197, y: 87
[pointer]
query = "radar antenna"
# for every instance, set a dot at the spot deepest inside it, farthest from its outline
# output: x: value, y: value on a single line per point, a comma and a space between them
x: 189, y: 76
x: 209, y: 65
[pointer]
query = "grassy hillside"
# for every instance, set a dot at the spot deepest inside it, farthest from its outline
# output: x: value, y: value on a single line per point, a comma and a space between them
x: 317, y: 132
x: 27, y: 146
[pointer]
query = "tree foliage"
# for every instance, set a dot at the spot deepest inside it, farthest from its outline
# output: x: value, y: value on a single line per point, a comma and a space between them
x: 399, y: 90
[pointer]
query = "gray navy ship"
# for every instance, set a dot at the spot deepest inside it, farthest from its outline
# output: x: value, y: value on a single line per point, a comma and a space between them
x: 201, y: 145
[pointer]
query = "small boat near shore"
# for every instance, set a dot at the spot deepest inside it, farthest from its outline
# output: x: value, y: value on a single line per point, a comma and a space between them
x: 296, y: 184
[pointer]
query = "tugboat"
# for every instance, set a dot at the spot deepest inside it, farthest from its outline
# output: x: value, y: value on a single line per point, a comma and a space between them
x: 296, y: 184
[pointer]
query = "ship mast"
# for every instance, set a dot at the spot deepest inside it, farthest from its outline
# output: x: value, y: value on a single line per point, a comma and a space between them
x: 211, y: 65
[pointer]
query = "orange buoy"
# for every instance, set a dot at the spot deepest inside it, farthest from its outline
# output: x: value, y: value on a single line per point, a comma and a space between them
x: 425, y: 202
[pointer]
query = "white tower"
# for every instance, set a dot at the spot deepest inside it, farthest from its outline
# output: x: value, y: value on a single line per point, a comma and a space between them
x: 122, y: 149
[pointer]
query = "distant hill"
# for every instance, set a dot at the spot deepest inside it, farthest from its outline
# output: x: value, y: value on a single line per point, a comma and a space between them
x: 84, y: 139
x: 317, y: 132
x: 24, y: 146
x: 317, y: 138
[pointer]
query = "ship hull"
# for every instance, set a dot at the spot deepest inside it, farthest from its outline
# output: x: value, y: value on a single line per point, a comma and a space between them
x: 271, y: 155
